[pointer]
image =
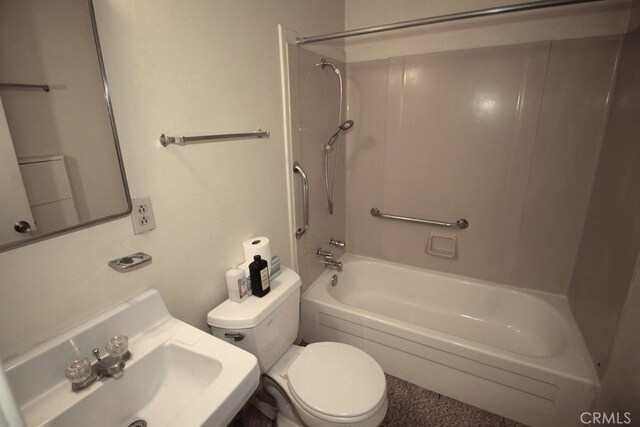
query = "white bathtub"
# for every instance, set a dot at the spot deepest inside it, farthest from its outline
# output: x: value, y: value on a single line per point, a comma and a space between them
x: 514, y: 353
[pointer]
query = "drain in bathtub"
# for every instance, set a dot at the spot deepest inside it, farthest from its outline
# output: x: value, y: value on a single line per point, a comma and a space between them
x: 138, y: 423
x: 334, y: 280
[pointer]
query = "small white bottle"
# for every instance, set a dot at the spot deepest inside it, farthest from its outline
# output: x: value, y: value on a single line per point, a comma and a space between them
x: 236, y: 284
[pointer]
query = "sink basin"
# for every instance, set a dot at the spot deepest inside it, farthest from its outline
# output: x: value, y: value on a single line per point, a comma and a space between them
x: 177, y: 375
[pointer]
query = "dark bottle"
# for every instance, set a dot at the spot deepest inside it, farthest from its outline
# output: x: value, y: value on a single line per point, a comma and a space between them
x: 259, y: 273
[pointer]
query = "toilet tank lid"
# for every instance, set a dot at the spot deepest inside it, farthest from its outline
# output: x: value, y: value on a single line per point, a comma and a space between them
x: 253, y: 310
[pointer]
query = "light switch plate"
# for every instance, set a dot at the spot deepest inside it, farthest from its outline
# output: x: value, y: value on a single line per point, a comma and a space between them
x: 142, y: 215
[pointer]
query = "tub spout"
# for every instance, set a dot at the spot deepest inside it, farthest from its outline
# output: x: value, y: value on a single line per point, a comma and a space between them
x: 331, y: 263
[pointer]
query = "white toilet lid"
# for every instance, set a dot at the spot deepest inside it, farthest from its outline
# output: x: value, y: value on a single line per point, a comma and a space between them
x: 336, y: 380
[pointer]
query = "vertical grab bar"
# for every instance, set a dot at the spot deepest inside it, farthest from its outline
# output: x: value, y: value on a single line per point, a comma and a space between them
x: 305, y: 199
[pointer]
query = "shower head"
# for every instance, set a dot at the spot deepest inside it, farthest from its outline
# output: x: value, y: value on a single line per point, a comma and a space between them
x: 324, y: 63
x: 345, y: 126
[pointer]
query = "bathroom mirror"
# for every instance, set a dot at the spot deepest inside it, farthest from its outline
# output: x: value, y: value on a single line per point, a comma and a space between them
x: 60, y: 163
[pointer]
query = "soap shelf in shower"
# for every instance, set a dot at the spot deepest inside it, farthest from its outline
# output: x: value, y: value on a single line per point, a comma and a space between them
x: 183, y: 140
x: 460, y: 224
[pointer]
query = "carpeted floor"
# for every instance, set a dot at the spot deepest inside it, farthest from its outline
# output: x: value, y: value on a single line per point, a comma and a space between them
x: 410, y: 406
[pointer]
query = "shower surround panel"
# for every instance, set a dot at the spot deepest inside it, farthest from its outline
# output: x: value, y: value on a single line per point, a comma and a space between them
x: 507, y: 137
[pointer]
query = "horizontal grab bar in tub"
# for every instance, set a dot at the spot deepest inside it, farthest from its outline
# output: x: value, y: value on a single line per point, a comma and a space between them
x: 459, y: 224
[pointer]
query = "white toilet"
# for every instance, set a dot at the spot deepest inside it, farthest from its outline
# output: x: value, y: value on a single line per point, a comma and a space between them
x: 328, y: 383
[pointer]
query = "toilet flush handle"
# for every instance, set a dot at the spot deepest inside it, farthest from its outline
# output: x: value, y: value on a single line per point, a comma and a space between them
x: 236, y: 336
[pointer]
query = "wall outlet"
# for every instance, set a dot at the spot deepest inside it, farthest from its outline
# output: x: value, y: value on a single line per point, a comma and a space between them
x: 142, y: 215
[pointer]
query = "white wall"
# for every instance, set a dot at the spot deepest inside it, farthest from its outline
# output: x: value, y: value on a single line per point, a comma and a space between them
x: 186, y: 67
x: 596, y: 19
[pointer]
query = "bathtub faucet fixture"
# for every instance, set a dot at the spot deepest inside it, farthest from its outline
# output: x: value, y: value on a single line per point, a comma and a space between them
x: 327, y: 259
x: 337, y: 243
x: 324, y: 253
x: 331, y: 263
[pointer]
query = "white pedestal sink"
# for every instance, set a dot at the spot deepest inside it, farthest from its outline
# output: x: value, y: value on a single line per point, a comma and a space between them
x: 177, y: 376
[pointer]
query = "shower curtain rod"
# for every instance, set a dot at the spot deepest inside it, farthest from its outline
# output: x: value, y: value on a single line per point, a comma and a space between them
x: 499, y: 10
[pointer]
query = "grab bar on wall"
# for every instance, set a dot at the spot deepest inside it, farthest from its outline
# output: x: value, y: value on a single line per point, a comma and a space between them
x: 182, y: 140
x: 305, y: 200
x: 23, y: 86
x: 460, y: 224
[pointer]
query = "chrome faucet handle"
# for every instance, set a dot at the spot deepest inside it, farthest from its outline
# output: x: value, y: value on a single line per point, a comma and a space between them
x: 337, y: 243
x: 78, y: 371
x: 118, y: 346
x: 324, y: 253
x: 81, y: 374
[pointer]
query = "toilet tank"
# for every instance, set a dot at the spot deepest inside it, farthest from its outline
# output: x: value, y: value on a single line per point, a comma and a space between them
x: 266, y: 326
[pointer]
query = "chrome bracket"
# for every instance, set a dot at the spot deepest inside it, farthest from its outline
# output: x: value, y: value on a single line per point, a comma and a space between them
x: 130, y: 262
x: 236, y: 337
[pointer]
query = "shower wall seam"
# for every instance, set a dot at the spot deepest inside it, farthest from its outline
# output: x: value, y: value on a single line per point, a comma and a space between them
x: 601, y: 365
x: 605, y: 125
x: 530, y: 172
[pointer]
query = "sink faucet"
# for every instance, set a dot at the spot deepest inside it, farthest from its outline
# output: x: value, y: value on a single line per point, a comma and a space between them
x: 109, y: 366
x: 82, y: 373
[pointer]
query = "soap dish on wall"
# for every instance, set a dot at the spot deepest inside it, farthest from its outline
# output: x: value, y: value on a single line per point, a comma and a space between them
x: 130, y: 262
x: 442, y: 244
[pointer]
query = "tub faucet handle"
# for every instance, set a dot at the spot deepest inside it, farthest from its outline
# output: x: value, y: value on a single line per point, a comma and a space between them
x: 337, y: 243
x: 324, y: 253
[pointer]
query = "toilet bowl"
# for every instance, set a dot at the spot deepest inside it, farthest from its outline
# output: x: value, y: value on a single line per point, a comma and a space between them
x: 322, y: 384
x: 330, y: 384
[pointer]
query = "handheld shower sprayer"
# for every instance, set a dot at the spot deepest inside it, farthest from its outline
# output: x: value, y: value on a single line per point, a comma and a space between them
x: 329, y: 146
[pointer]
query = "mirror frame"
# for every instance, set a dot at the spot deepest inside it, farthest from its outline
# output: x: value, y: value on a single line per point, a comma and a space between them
x: 116, y: 141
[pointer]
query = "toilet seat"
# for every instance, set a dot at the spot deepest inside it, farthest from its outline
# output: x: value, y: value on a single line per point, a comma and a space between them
x: 337, y: 382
